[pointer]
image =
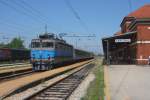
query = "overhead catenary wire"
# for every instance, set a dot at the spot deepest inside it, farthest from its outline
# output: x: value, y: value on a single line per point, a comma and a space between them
x: 36, y: 12
x: 5, y: 2
x: 130, y: 5
x: 23, y: 8
x: 13, y: 26
x: 27, y: 10
x: 82, y: 23
x: 18, y: 26
x: 27, y: 5
x: 23, y: 11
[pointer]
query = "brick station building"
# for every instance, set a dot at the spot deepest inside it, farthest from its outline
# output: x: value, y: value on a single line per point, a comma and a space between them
x: 131, y: 45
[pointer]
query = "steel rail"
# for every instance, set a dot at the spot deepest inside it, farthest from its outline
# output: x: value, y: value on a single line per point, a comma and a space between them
x: 61, y: 90
x: 45, y: 76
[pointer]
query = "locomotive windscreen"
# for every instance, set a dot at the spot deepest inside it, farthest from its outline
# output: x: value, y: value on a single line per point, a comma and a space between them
x: 35, y: 44
x: 48, y: 44
x: 46, y: 36
x: 43, y: 44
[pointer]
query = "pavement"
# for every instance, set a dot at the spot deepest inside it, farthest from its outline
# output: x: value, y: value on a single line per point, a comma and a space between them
x: 12, y: 64
x: 127, y: 82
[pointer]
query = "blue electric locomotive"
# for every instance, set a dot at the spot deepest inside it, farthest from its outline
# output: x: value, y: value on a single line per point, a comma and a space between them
x: 48, y: 50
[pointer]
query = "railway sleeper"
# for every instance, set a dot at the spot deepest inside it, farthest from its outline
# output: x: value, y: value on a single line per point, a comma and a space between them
x: 56, y: 90
x: 54, y: 93
x: 63, y: 86
x: 48, y: 98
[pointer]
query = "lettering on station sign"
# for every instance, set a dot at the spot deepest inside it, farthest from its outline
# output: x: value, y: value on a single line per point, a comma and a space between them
x: 122, y: 40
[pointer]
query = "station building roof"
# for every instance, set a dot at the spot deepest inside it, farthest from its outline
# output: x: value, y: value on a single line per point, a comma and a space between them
x: 143, y: 12
x: 118, y: 33
x: 119, y: 36
x: 140, y: 15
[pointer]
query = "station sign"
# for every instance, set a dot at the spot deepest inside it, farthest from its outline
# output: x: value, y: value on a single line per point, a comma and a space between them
x: 122, y: 40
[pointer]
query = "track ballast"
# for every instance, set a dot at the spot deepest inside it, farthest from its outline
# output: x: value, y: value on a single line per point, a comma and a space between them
x: 63, y: 89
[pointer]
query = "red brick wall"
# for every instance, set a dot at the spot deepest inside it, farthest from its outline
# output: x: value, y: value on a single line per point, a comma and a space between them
x: 143, y: 32
x: 143, y: 50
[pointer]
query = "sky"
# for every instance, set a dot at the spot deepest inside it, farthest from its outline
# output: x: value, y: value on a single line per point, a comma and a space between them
x: 27, y: 19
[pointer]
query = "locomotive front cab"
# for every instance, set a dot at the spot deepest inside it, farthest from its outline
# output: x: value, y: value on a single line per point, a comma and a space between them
x: 42, y: 54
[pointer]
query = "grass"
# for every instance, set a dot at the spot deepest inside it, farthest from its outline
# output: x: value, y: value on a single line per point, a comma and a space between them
x: 96, y: 88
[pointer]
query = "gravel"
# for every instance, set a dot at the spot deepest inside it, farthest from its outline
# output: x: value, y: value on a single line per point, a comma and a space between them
x: 82, y: 88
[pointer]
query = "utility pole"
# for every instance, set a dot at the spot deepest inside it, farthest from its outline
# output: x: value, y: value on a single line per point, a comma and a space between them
x: 107, y: 56
x: 108, y: 52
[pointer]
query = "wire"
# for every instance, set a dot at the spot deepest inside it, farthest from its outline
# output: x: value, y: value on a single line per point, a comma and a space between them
x: 22, y: 5
x: 17, y: 27
x: 37, y: 13
x: 18, y: 10
x: 130, y: 5
x: 25, y: 9
x: 76, y: 15
x: 33, y: 9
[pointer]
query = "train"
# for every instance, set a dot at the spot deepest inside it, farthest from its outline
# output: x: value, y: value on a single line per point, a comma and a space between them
x: 13, y: 55
x: 48, y: 50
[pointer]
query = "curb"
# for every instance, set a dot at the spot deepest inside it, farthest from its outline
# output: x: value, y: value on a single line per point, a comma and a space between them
x: 106, y: 82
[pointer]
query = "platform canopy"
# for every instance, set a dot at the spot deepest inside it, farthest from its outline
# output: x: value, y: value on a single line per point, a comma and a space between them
x: 116, y: 42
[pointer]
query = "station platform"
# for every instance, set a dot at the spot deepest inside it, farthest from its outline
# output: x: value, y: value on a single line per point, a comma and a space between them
x: 127, y: 82
x: 10, y: 86
x: 14, y: 68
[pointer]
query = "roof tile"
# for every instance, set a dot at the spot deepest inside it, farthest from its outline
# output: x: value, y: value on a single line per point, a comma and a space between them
x: 143, y: 12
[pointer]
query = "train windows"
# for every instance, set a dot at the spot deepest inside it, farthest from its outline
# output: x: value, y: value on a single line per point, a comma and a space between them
x: 56, y: 46
x: 35, y: 44
x: 47, y: 44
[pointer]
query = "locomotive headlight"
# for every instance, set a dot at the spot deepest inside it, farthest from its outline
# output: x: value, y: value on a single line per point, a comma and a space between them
x: 49, y: 58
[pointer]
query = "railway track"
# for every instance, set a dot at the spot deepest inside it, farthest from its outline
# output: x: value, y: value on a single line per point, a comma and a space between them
x: 12, y: 64
x: 26, y: 87
x: 17, y: 72
x: 15, y: 75
x: 13, y: 67
x: 8, y: 73
x: 62, y: 89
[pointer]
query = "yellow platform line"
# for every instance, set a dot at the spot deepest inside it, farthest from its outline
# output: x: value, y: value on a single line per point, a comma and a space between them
x: 106, y: 82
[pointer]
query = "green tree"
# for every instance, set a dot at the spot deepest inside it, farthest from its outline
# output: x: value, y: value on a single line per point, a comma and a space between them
x: 2, y: 45
x: 16, y: 43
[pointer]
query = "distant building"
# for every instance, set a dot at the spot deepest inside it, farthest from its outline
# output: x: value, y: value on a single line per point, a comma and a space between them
x: 131, y: 45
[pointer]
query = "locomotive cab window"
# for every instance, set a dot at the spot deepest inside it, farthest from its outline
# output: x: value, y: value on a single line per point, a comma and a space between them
x: 47, y: 44
x: 35, y: 44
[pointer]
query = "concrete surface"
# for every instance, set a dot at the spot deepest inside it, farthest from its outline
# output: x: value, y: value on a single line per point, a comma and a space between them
x: 129, y: 82
x: 9, y: 86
